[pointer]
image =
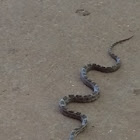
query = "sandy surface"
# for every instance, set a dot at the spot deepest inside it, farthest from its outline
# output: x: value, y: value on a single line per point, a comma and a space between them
x: 43, y: 45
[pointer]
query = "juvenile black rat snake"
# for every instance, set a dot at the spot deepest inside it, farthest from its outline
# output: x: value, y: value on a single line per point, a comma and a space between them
x: 92, y: 85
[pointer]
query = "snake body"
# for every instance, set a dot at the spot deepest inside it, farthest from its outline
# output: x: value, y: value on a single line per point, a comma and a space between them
x: 93, y: 86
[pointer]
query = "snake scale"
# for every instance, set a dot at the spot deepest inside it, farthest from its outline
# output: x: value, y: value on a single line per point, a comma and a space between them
x: 92, y: 85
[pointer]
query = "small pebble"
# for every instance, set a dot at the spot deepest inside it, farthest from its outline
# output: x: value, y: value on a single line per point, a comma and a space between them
x: 109, y: 131
x: 136, y: 91
x: 82, y: 12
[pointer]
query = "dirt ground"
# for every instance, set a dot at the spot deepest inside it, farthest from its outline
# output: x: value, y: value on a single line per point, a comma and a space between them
x: 44, y: 44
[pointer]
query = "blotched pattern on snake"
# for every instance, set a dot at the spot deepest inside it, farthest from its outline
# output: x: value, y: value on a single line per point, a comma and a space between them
x: 92, y: 85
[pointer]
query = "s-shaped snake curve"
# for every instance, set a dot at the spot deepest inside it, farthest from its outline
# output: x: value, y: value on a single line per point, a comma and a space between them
x: 92, y: 85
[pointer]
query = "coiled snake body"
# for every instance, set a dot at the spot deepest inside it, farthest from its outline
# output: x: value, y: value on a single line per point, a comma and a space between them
x: 92, y: 85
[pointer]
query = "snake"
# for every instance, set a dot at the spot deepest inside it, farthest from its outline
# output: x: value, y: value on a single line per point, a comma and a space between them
x: 93, y: 86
